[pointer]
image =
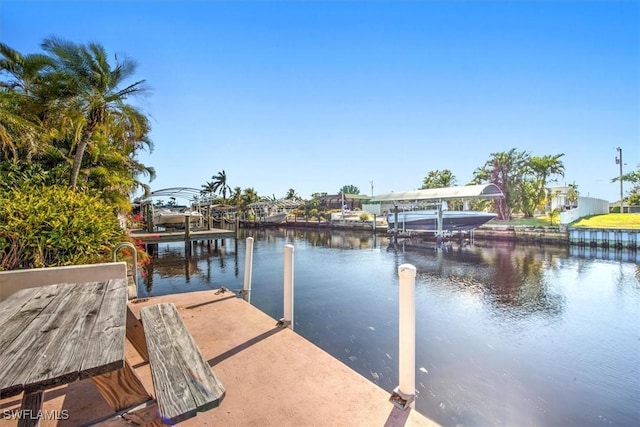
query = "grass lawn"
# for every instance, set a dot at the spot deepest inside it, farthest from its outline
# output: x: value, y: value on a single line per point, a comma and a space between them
x: 614, y: 220
x: 540, y: 221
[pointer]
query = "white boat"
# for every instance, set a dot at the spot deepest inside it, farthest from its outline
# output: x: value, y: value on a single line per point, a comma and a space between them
x: 171, y: 218
x: 273, y: 211
x: 346, y: 216
x: 350, y: 217
x: 427, y: 220
x: 275, y: 218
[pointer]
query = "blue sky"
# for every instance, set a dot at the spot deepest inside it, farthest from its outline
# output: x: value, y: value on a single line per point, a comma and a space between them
x: 314, y: 95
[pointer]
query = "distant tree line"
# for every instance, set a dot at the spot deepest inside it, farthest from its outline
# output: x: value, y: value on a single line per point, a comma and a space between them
x: 523, y: 179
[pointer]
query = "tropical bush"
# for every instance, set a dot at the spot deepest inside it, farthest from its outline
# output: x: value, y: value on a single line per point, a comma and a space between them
x: 46, y: 226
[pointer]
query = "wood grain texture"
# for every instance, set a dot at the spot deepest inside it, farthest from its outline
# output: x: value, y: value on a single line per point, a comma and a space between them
x: 142, y: 416
x: 64, y: 355
x: 20, y: 309
x: 105, y: 350
x: 182, y: 379
x: 22, y: 354
x: 58, y: 333
x: 122, y: 388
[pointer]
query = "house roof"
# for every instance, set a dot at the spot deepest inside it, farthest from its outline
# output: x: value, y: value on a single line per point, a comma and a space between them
x: 462, y: 192
x: 338, y: 197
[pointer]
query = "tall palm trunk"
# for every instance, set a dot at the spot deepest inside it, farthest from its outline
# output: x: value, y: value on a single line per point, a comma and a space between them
x: 79, y: 154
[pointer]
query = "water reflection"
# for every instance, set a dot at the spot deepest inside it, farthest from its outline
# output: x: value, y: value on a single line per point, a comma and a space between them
x: 505, y: 335
x: 197, y: 260
x: 611, y: 254
x: 501, y: 275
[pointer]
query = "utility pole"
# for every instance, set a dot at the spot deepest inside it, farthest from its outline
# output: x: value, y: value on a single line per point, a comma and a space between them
x: 619, y: 161
x: 371, y: 188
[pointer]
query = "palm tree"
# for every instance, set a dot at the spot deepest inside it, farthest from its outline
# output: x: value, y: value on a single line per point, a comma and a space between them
x: 349, y: 189
x: 438, y: 179
x: 219, y: 185
x: 249, y: 195
x: 25, y: 71
x: 542, y: 169
x: 572, y: 195
x: 88, y: 85
x: 15, y: 130
x: 207, y: 189
x: 236, y: 196
x: 292, y: 195
x: 112, y: 167
x: 506, y: 170
x: 21, y: 132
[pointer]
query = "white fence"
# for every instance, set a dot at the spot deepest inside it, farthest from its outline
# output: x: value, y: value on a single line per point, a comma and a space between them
x: 586, y: 206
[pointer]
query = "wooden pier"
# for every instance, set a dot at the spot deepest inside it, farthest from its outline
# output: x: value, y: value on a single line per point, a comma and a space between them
x: 181, y: 235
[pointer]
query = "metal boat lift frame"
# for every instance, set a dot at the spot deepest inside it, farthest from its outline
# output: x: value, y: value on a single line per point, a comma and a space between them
x: 437, y: 196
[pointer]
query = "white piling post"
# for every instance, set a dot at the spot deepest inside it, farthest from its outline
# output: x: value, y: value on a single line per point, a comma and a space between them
x: 404, y: 395
x: 248, y: 269
x: 287, y: 320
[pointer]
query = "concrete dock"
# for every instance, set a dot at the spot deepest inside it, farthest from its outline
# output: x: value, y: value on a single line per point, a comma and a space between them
x: 272, y: 376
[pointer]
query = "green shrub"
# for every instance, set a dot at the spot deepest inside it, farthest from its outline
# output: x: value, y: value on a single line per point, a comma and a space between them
x: 42, y: 226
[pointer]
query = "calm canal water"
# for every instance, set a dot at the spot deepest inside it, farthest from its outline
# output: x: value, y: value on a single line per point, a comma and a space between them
x: 505, y: 335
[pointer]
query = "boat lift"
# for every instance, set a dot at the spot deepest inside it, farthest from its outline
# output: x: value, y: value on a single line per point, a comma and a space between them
x: 438, y: 196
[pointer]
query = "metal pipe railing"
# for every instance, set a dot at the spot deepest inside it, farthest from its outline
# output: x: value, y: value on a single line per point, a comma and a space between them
x: 135, y: 258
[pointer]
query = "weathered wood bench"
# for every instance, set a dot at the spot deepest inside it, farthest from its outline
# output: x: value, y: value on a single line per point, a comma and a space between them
x: 183, y: 380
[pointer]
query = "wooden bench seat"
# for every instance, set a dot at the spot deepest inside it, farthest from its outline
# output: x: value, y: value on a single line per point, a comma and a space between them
x: 183, y: 380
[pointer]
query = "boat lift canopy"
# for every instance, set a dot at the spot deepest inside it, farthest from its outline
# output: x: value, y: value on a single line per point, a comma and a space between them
x: 281, y: 204
x: 480, y: 191
x: 186, y: 193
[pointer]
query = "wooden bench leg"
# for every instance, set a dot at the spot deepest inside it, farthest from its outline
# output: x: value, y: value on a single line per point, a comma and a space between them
x: 135, y: 334
x: 30, y: 409
x: 122, y: 388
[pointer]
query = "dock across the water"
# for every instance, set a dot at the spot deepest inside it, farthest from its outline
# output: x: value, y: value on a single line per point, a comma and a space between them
x: 181, y: 235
